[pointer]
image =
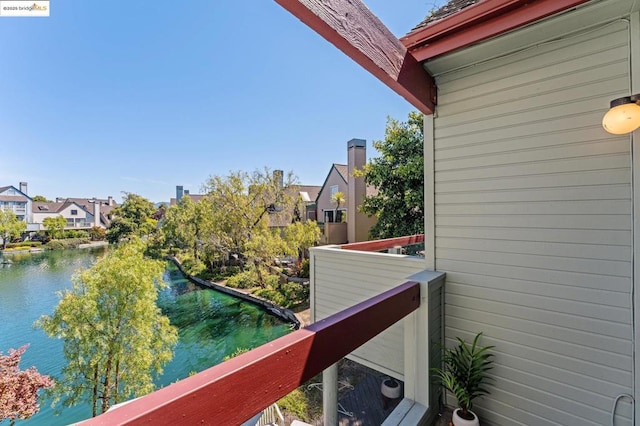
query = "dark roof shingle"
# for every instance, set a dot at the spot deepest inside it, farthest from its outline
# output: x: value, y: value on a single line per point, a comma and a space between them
x: 452, y: 7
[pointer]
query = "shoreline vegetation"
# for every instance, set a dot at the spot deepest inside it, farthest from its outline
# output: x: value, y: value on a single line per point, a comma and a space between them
x: 275, y: 309
x: 58, y: 244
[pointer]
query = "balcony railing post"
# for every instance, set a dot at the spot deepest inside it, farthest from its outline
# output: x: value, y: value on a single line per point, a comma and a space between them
x: 421, y: 328
x: 330, y: 395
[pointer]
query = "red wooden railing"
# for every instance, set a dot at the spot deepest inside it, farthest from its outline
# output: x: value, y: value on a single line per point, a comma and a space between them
x: 234, y: 391
x: 388, y: 243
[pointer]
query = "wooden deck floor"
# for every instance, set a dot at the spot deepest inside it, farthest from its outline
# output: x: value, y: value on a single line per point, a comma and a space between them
x: 365, y: 403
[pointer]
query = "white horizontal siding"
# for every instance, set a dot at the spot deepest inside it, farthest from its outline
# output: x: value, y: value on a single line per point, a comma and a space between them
x: 533, y: 226
x: 343, y: 278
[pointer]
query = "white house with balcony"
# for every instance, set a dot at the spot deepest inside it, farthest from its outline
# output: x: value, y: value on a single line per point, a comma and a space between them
x: 80, y: 213
x: 17, y: 201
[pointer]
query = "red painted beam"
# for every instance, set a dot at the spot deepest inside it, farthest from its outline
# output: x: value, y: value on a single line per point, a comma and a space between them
x: 357, y: 32
x: 236, y: 390
x: 479, y: 22
x: 387, y: 243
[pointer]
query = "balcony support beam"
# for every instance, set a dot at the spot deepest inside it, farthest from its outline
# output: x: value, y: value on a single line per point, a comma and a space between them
x: 330, y: 395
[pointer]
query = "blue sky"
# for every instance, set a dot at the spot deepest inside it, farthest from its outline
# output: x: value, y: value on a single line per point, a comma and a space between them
x: 110, y: 96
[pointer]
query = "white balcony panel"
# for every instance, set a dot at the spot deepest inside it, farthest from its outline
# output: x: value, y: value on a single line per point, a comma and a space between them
x: 342, y: 278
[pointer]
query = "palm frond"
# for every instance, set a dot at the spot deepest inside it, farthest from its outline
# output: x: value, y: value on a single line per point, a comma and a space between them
x: 464, y: 370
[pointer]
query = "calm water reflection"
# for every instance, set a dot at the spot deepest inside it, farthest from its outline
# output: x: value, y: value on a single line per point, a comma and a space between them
x: 212, y: 325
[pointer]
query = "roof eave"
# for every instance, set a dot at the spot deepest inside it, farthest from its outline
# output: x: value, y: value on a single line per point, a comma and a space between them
x: 479, y: 22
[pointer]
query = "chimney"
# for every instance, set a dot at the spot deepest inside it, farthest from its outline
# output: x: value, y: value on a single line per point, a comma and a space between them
x: 278, y: 178
x: 179, y: 192
x: 23, y: 188
x: 357, y: 190
x: 96, y: 212
x: 109, y: 200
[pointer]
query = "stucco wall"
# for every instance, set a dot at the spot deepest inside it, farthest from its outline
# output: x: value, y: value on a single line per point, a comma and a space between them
x: 324, y: 197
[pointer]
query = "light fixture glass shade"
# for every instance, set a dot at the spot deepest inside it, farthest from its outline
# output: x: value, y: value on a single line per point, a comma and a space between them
x: 622, y: 119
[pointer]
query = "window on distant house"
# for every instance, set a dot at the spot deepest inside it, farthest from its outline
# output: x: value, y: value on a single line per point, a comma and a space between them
x: 332, y: 190
x: 74, y: 212
x: 328, y: 216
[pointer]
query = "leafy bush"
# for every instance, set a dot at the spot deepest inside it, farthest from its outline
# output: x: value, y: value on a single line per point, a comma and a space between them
x: 192, y: 266
x: 297, y: 404
x: 219, y: 274
x: 75, y: 233
x: 272, y: 295
x: 225, y: 272
x: 66, y: 243
x: 8, y: 249
x: 245, y: 279
x: 97, y: 233
x: 302, y: 403
x: 295, y: 293
x: 286, y: 295
x: 304, y: 269
x: 25, y: 244
x: 55, y: 245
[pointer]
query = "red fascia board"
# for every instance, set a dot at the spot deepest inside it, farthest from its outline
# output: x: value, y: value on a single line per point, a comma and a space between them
x: 480, y: 22
x: 387, y: 243
x: 473, y: 14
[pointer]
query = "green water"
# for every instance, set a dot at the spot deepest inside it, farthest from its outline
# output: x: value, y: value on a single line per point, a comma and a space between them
x: 211, y: 324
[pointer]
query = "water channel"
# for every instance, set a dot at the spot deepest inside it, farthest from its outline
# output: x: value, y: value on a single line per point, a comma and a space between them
x: 211, y: 324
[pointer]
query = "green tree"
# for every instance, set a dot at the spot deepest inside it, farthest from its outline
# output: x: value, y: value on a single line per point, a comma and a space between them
x: 97, y: 233
x: 263, y: 247
x: 10, y: 226
x: 185, y: 223
x: 300, y: 236
x: 115, y: 337
x: 55, y: 225
x: 398, y: 175
x: 40, y: 199
x: 244, y: 204
x: 133, y: 218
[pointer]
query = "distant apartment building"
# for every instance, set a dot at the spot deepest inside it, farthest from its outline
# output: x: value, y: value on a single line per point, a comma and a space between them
x: 181, y: 192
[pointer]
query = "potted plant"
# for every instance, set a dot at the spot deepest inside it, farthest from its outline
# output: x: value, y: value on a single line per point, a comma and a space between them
x: 464, y: 373
x: 390, y: 389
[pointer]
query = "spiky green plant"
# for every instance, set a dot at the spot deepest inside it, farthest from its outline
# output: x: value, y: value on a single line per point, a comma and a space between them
x: 464, y: 372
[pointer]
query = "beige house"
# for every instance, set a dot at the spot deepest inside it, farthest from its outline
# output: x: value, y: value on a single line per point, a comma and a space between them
x: 355, y: 225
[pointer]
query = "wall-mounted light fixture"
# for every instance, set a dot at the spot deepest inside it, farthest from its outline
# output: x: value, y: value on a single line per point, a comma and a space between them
x: 623, y: 116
